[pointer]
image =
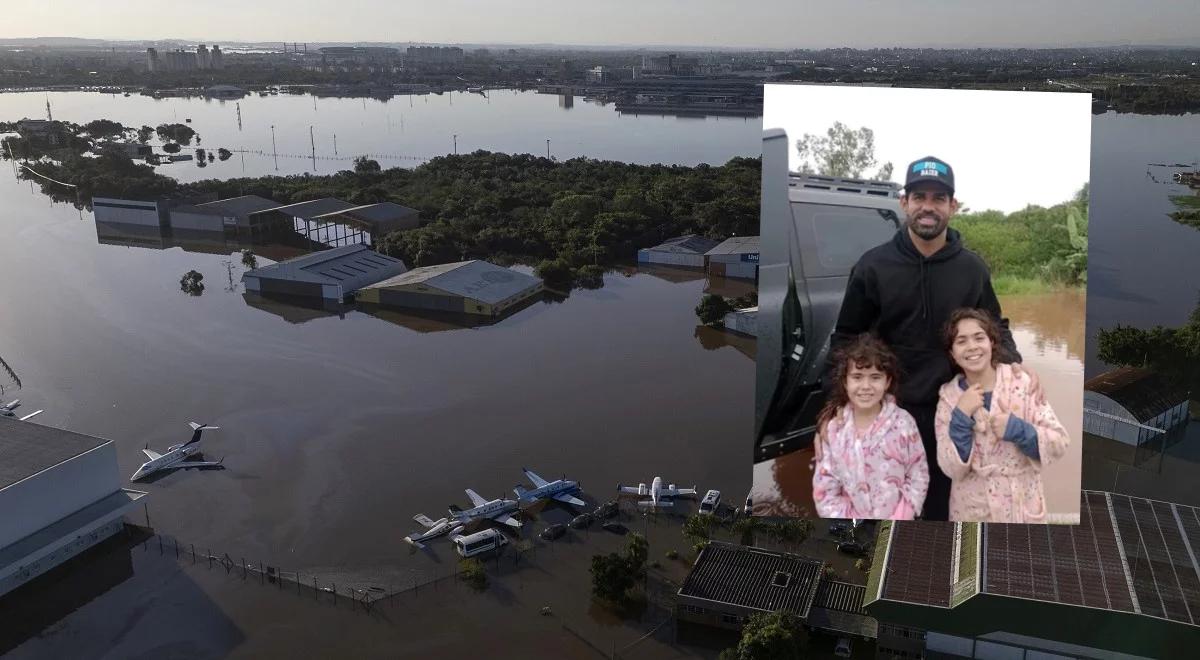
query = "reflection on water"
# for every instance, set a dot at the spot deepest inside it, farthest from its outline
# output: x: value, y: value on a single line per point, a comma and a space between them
x: 1049, y: 331
x: 715, y: 338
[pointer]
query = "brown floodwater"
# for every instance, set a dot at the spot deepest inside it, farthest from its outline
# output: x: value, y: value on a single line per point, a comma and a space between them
x: 1049, y: 331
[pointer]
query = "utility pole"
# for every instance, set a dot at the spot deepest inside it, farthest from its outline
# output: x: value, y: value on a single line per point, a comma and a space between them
x: 456, y: 143
x: 313, y: 142
x: 274, y: 151
x: 547, y: 148
x: 335, y: 144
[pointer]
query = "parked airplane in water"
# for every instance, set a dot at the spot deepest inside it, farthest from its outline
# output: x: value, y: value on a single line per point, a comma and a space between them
x: 7, y: 409
x: 433, y: 529
x: 499, y: 510
x: 660, y: 496
x: 559, y: 489
x: 177, y: 455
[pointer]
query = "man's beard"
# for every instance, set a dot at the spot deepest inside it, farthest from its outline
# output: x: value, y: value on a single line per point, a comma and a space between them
x: 928, y: 233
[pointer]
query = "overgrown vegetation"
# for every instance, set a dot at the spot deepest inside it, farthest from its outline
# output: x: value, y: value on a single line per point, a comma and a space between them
x: 775, y: 635
x: 614, y: 575
x: 472, y: 573
x: 1172, y: 352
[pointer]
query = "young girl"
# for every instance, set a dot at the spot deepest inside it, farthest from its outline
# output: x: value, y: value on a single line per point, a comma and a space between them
x: 994, y: 429
x: 870, y: 460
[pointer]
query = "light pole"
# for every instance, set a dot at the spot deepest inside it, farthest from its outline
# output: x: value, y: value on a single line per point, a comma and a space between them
x: 456, y: 143
x: 274, y: 151
x: 547, y: 148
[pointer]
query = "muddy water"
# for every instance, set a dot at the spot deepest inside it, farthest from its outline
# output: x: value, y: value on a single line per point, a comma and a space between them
x: 1049, y: 331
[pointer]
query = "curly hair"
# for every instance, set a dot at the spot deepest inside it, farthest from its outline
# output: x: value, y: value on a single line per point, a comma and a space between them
x: 985, y: 320
x: 865, y: 351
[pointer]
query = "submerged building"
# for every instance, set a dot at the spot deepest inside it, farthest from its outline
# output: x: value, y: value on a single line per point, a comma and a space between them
x: 1123, y: 583
x: 470, y: 287
x: 1133, y: 405
x: 685, y: 251
x: 60, y: 494
x: 734, y: 257
x: 332, y: 274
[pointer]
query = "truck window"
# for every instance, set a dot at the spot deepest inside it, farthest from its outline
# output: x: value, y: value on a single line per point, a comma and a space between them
x: 841, y: 234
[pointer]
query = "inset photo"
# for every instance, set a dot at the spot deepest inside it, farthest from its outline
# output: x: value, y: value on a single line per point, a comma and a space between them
x: 921, y: 309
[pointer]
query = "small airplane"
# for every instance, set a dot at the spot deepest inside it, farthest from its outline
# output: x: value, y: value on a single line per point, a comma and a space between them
x: 433, y: 529
x: 500, y: 510
x: 660, y: 496
x: 177, y: 455
x: 7, y: 409
x: 560, y: 489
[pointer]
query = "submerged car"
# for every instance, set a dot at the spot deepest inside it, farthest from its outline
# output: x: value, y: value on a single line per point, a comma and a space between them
x: 852, y: 548
x: 580, y: 521
x: 615, y: 527
x: 814, y: 229
x: 553, y: 532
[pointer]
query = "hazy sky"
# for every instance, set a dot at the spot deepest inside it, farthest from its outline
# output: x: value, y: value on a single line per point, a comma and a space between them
x: 1008, y: 149
x: 766, y: 23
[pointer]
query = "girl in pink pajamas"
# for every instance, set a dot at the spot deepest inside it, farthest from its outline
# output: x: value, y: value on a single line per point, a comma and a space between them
x: 994, y: 429
x: 870, y: 462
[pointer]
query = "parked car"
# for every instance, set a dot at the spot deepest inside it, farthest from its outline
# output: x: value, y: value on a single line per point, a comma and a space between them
x: 814, y: 229
x: 607, y: 510
x: 841, y: 528
x: 842, y: 650
x: 582, y: 520
x: 615, y: 527
x: 853, y: 548
x: 553, y: 532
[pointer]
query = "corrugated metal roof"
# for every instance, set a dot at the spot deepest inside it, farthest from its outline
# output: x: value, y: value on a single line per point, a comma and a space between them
x: 753, y: 578
x: 314, y: 208
x: 375, y: 213
x: 242, y: 206
x: 689, y: 244
x: 27, y: 448
x: 475, y: 279
x: 1142, y: 392
x: 737, y: 245
x: 351, y: 266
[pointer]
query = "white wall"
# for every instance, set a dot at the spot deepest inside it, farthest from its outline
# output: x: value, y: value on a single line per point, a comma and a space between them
x: 55, y: 493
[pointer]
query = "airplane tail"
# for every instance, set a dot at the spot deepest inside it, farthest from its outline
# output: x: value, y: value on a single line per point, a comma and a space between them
x: 197, y: 429
x: 522, y: 494
x: 454, y: 508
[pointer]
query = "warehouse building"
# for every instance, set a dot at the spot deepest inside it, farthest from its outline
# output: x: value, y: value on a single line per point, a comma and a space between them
x: 332, y: 274
x: 1123, y: 583
x: 60, y: 494
x: 131, y: 212
x: 734, y: 257
x: 251, y: 214
x: 744, y: 321
x: 1116, y: 398
x: 471, y: 287
x: 687, y: 251
x: 377, y: 219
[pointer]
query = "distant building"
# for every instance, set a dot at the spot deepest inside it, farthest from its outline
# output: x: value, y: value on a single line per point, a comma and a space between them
x: 736, y: 256
x: 685, y: 251
x: 224, y: 92
x: 744, y: 321
x: 203, y: 58
x: 218, y: 58
x: 1123, y: 583
x: 331, y: 274
x: 152, y: 63
x: 1131, y: 394
x: 470, y: 287
x: 60, y: 494
x: 433, y: 57
x: 251, y: 214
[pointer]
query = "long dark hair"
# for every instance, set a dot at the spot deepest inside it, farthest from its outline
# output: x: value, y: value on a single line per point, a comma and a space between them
x: 985, y: 320
x: 865, y: 351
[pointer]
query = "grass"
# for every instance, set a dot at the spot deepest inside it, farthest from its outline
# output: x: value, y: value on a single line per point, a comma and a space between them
x: 1010, y: 285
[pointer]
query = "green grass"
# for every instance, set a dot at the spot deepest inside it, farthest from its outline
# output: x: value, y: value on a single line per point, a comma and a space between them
x: 1011, y: 285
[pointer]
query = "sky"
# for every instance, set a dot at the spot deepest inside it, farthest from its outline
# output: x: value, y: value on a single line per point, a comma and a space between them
x: 1007, y: 149
x: 774, y: 24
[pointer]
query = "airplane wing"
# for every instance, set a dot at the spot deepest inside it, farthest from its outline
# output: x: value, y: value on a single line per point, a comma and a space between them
x: 476, y: 500
x: 537, y: 481
x: 193, y: 464
x: 568, y: 499
x: 685, y: 491
x: 629, y: 489
x: 424, y: 520
x: 151, y: 454
x: 507, y: 519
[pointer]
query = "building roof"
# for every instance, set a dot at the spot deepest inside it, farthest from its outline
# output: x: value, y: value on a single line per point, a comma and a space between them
x: 243, y: 206
x: 1127, y: 554
x: 753, y: 578
x: 351, y: 266
x: 838, y: 606
x: 478, y: 280
x: 315, y: 208
x: 27, y: 448
x: 1142, y: 392
x: 380, y: 217
x: 737, y: 245
x: 689, y: 244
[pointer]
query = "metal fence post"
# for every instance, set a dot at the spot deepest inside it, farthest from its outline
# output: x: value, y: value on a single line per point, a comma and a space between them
x: 210, y: 559
x: 243, y: 569
x: 193, y: 546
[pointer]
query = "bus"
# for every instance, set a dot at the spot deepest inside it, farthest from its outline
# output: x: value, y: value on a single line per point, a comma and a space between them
x: 480, y: 542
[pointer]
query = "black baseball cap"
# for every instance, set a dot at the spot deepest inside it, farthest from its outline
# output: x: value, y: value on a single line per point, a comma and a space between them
x: 929, y: 169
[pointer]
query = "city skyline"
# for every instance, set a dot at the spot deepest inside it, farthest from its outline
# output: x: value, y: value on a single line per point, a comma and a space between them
x: 771, y: 24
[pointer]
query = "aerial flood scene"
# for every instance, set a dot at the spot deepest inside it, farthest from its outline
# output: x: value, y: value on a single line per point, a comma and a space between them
x: 427, y: 349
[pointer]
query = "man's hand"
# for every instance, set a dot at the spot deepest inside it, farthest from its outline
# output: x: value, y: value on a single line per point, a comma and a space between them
x: 971, y: 400
x: 1035, y: 385
x: 999, y: 419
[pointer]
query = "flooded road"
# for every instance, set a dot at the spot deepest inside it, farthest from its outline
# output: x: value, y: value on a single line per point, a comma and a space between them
x: 1049, y: 332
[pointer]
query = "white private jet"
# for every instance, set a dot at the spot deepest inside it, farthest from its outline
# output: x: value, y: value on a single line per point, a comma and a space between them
x: 433, y: 529
x: 7, y: 409
x: 500, y: 510
x: 559, y: 489
x: 177, y: 455
x: 660, y: 496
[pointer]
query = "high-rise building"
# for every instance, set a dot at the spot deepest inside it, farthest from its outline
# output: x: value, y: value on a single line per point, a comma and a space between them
x: 203, y: 59
x: 152, y: 63
x: 218, y: 59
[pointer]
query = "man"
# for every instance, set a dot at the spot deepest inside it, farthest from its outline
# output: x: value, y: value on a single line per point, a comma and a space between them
x: 905, y: 290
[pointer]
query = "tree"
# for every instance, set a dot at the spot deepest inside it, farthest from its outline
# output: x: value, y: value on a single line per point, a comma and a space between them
x: 181, y: 133
x: 611, y: 579
x: 698, y: 527
x: 145, y: 133
x: 172, y: 148
x: 1172, y: 352
x: 249, y: 260
x: 191, y: 283
x: 224, y: 153
x: 712, y: 309
x: 745, y: 527
x: 841, y: 152
x: 103, y: 128
x: 770, y: 636
x: 473, y: 574
x: 364, y: 165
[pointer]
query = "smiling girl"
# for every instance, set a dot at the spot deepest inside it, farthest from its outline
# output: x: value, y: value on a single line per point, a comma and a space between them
x: 870, y: 462
x: 994, y: 429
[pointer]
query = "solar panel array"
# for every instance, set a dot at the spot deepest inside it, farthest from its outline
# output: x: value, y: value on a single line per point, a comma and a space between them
x: 1083, y: 565
x: 920, y: 562
x: 742, y: 576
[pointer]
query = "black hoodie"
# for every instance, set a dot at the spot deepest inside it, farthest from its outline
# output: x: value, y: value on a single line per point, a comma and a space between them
x: 906, y: 298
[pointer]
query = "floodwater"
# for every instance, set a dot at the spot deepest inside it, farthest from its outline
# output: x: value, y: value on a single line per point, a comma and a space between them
x: 1049, y: 332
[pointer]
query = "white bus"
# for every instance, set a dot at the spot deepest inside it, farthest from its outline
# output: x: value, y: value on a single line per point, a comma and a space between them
x: 479, y: 542
x: 709, y: 504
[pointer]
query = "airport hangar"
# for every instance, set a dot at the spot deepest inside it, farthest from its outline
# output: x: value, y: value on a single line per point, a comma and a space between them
x: 471, y: 287
x: 332, y: 274
x: 736, y: 256
x: 60, y: 494
x: 687, y: 251
x: 1122, y: 584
